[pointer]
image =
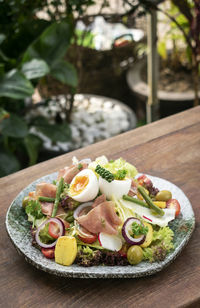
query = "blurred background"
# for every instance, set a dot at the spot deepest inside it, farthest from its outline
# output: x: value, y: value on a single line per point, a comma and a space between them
x: 74, y: 72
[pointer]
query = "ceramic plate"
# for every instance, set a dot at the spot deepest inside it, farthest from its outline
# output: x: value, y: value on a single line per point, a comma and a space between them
x: 18, y: 229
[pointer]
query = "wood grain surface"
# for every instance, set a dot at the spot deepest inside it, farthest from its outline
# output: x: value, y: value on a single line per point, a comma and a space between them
x: 169, y: 148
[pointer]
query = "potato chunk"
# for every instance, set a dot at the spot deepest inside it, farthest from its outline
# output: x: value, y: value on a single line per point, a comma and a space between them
x: 66, y: 250
x: 149, y: 235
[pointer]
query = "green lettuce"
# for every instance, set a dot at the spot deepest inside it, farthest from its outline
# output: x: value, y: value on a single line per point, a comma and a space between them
x: 161, y: 245
x: 34, y: 213
x: 44, y: 235
x: 101, y: 160
x: 119, y: 165
x: 93, y: 245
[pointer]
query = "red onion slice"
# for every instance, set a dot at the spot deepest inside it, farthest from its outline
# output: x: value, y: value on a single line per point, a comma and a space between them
x: 126, y: 229
x: 81, y: 207
x: 37, y: 235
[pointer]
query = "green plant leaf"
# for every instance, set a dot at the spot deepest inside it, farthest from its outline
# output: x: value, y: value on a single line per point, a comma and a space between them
x: 55, y: 132
x: 84, y: 38
x: 15, y: 85
x: 3, y: 114
x: 65, y: 72
x: 35, y: 68
x: 8, y: 163
x: 14, y: 126
x: 32, y: 144
x: 51, y: 45
x: 2, y: 38
x: 162, y: 50
x: 3, y: 56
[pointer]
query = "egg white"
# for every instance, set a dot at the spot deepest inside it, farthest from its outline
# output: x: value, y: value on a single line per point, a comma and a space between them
x: 118, y: 188
x: 90, y: 191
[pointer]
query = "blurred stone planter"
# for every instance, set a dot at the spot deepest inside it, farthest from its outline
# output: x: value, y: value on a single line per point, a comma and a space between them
x: 170, y: 102
x: 94, y: 118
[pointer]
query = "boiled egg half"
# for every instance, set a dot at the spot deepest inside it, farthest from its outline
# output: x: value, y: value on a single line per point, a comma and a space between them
x: 118, y: 188
x: 84, y: 186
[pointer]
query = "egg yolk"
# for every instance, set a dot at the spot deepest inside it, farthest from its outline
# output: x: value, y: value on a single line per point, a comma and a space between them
x: 79, y: 185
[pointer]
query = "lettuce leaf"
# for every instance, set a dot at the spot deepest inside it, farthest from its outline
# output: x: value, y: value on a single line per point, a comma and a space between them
x: 34, y: 213
x: 121, y: 164
x: 121, y: 210
x: 93, y: 245
x: 101, y: 160
x: 45, y: 237
x: 162, y: 244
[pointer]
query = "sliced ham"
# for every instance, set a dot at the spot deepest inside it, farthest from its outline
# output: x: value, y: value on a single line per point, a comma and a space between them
x: 68, y: 173
x: 47, y: 208
x: 46, y: 190
x: 101, y: 218
x: 133, y: 190
x: 99, y: 200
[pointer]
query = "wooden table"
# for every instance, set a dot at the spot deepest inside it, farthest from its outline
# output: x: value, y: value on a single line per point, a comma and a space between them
x: 169, y: 148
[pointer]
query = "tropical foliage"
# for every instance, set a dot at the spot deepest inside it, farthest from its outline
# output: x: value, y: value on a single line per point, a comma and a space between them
x: 18, y: 79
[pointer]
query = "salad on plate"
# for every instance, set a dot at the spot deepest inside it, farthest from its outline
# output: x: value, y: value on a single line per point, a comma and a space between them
x: 101, y: 212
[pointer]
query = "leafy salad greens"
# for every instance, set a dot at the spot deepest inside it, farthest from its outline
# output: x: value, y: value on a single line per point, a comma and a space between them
x: 101, y: 213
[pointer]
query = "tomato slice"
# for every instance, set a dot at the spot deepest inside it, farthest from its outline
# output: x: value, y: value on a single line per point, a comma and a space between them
x: 174, y: 204
x: 49, y: 253
x: 54, y: 230
x: 86, y: 236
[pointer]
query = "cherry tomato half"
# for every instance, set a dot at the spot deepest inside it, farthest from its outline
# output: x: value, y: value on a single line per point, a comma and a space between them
x: 54, y: 230
x: 49, y: 253
x: 85, y: 236
x: 174, y: 204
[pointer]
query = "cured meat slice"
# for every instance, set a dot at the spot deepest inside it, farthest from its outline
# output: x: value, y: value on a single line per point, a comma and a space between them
x: 99, y: 200
x: 47, y: 208
x: 133, y: 190
x: 101, y: 218
x: 68, y: 173
x: 46, y: 190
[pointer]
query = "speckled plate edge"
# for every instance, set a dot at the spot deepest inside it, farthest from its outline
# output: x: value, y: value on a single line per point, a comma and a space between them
x: 18, y: 230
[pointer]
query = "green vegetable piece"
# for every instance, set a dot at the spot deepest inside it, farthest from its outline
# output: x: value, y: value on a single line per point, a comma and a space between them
x: 25, y: 201
x: 162, y: 243
x: 121, y: 164
x: 134, y: 200
x: 44, y: 235
x: 120, y: 175
x: 57, y: 199
x: 150, y: 202
x: 70, y: 218
x: 134, y: 255
x: 34, y: 211
x: 80, y: 166
x: 138, y: 229
x: 34, y: 208
x: 105, y: 174
x: 46, y: 199
x: 164, y: 195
